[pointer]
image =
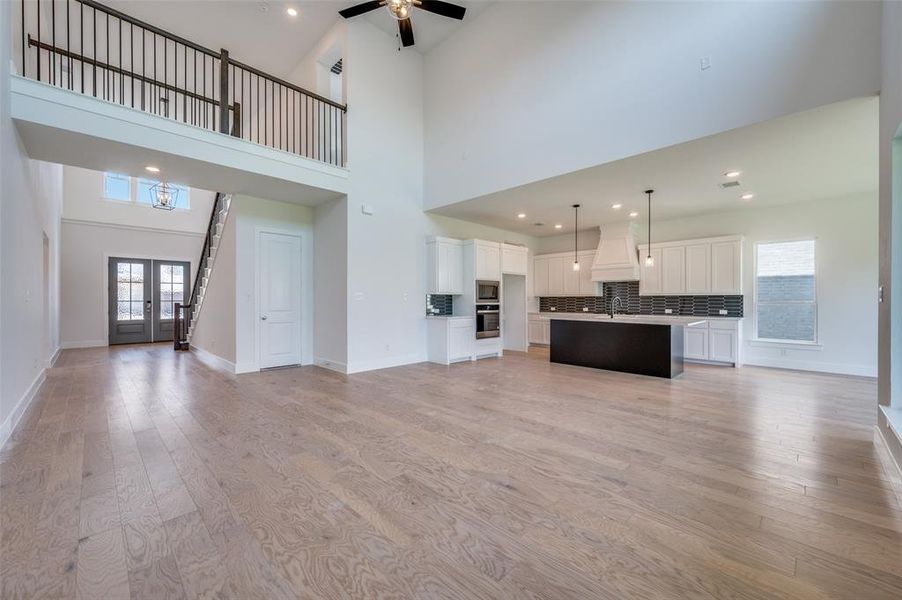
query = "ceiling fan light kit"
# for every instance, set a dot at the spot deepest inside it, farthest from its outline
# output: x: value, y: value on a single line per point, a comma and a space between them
x: 400, y: 10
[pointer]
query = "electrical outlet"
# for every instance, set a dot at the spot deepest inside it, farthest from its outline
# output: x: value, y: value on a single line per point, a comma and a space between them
x: 553, y: 309
x: 585, y: 309
x: 722, y: 312
x: 705, y: 63
x: 668, y: 311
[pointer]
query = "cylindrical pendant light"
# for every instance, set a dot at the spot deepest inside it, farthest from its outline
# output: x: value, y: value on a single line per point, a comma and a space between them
x: 649, y: 260
x: 576, y: 237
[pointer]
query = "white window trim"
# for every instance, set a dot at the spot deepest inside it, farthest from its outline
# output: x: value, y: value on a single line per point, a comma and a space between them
x: 133, y: 193
x: 777, y: 343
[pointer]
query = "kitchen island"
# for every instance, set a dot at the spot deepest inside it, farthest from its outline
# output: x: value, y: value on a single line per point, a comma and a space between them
x: 645, y: 345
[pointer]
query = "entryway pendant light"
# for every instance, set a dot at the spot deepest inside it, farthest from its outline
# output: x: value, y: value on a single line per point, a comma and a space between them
x: 649, y: 260
x: 164, y: 195
x: 576, y: 237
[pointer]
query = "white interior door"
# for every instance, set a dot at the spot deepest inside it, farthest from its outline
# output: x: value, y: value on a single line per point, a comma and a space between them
x: 279, y: 276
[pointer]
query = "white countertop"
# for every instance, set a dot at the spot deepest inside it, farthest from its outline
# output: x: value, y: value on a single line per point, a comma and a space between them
x: 642, y: 319
x: 448, y: 317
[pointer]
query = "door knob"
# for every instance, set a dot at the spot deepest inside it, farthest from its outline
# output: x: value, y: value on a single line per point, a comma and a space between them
x: 262, y: 317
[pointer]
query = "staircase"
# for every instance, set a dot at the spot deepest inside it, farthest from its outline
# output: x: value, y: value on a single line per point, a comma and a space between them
x: 187, y: 314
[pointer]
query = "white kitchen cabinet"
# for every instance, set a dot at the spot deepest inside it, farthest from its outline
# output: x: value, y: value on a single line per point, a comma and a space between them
x: 450, y: 339
x: 587, y: 287
x: 673, y: 270
x: 514, y: 259
x: 726, y: 267
x: 698, y: 269
x: 723, y: 341
x: 539, y: 330
x: 571, y: 279
x: 714, y: 340
x: 488, y: 261
x: 540, y: 276
x: 711, y: 266
x: 556, y: 275
x: 445, y: 264
x: 650, y: 276
x: 695, y: 342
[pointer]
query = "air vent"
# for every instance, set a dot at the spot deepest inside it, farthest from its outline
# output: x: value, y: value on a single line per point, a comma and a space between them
x: 336, y: 68
x: 729, y: 184
x: 539, y: 224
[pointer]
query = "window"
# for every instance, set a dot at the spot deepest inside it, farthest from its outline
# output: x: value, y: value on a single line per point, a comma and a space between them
x: 117, y: 187
x: 144, y: 194
x: 130, y: 291
x: 786, y: 296
x: 137, y: 190
x: 172, y: 289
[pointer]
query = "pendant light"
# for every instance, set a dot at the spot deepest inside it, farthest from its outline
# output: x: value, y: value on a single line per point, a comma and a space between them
x: 576, y: 237
x: 649, y: 260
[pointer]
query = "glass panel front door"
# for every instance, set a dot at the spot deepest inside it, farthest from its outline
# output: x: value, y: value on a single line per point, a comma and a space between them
x: 142, y: 298
x: 130, y: 301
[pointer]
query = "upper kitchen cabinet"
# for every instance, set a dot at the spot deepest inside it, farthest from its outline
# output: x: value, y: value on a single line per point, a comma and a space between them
x: 650, y: 280
x: 726, y: 267
x: 514, y: 259
x: 553, y: 275
x: 703, y: 267
x: 488, y: 260
x: 444, y: 257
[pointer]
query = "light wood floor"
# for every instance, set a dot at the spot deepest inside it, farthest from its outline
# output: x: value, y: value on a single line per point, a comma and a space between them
x: 140, y: 472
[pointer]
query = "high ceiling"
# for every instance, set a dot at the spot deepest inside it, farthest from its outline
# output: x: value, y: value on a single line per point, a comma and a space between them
x: 261, y: 34
x: 827, y: 152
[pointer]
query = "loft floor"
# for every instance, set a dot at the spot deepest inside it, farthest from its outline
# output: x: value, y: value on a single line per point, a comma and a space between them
x: 140, y: 472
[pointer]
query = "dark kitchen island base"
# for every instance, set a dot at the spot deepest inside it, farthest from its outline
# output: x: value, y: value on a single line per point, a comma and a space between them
x: 641, y: 348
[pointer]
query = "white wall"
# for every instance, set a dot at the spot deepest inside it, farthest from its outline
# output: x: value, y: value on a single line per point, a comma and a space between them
x: 330, y: 288
x: 84, y: 201
x: 531, y: 90
x: 252, y: 215
x: 86, y: 249
x: 845, y: 229
x: 30, y: 207
x: 214, y: 330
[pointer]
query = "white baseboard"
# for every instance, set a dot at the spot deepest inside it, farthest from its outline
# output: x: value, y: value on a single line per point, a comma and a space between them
x: 9, y: 425
x: 386, y: 363
x: 888, y: 459
x: 217, y: 362
x: 55, y: 356
x: 816, y: 366
x: 332, y: 365
x: 246, y: 368
x: 84, y: 344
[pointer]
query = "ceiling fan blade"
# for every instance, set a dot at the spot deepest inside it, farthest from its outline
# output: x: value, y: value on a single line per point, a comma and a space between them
x: 406, y: 29
x: 359, y: 9
x: 446, y: 9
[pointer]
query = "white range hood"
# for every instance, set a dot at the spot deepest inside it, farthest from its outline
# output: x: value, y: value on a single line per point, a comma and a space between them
x: 616, y: 258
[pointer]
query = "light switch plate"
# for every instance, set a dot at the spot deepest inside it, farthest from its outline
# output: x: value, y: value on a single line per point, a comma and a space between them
x: 668, y: 311
x: 722, y: 312
x: 585, y: 309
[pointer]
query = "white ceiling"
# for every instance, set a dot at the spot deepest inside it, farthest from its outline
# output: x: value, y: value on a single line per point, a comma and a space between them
x: 827, y: 152
x: 260, y: 33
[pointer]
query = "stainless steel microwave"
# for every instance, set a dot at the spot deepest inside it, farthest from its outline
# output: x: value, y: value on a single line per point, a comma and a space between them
x: 488, y: 291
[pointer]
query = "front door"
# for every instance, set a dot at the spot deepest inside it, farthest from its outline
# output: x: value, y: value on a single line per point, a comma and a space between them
x: 170, y: 285
x: 142, y: 297
x: 279, y: 270
x: 130, y: 301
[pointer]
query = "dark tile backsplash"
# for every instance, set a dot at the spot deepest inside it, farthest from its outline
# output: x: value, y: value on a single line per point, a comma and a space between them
x: 444, y: 304
x: 634, y: 304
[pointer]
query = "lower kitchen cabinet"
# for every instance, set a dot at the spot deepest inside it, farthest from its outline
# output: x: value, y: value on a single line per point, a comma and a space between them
x: 539, y: 330
x: 450, y: 339
x: 714, y: 340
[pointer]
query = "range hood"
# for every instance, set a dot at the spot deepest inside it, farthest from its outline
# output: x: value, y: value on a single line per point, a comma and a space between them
x: 616, y: 258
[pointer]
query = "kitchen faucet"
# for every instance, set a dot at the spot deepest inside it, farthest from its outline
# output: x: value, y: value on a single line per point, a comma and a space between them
x: 614, y: 302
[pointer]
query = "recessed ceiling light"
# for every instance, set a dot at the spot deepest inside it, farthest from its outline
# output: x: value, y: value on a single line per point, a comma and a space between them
x: 747, y: 196
x: 152, y: 169
x: 616, y: 206
x: 732, y: 174
x: 292, y: 12
x: 521, y: 216
x: 634, y: 214
x: 558, y: 226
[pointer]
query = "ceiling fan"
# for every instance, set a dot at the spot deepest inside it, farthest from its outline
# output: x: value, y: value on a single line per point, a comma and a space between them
x: 401, y: 10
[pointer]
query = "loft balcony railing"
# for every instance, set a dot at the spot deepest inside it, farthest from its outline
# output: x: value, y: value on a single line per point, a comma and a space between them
x: 84, y: 46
